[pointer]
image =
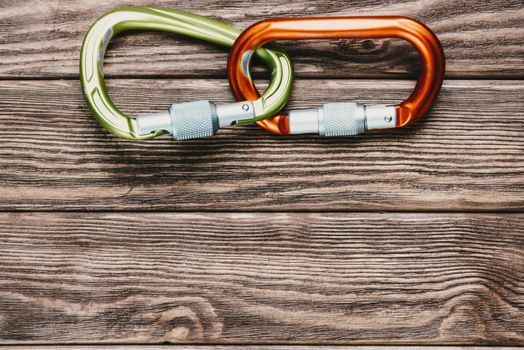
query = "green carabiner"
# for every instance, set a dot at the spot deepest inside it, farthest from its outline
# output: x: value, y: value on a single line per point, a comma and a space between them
x: 185, y: 120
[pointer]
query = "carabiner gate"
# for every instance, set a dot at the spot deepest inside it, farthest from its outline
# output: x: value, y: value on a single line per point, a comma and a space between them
x: 337, y: 119
x: 185, y: 120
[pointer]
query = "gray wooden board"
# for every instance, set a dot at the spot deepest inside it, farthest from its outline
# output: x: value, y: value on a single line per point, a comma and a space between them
x: 459, y: 157
x: 254, y: 347
x: 234, y: 239
x: 481, y: 39
x: 262, y: 278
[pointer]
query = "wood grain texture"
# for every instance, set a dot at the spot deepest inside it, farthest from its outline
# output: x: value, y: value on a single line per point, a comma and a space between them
x: 253, y: 347
x: 466, y: 154
x: 482, y: 39
x: 299, y: 274
x: 262, y: 278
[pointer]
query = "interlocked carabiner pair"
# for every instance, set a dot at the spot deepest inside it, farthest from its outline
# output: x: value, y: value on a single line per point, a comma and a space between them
x: 186, y: 120
x: 203, y: 118
x: 341, y: 118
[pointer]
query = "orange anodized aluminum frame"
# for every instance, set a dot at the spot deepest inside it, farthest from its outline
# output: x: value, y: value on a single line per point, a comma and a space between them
x: 425, y: 41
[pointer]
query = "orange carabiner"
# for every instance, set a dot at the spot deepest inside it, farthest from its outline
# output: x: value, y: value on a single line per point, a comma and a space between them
x: 341, y: 118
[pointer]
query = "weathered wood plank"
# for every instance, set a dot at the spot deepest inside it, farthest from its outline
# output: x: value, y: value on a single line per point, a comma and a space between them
x: 480, y: 38
x: 467, y: 154
x: 252, y: 347
x: 262, y: 278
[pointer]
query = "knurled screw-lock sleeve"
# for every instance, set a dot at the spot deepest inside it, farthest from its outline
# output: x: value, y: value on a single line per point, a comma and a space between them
x: 184, y: 121
x: 341, y: 119
x: 195, y: 119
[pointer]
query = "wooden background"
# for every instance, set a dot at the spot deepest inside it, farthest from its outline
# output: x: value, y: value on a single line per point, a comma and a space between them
x: 414, y: 236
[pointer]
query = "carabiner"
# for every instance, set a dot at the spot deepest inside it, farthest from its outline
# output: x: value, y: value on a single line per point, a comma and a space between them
x: 338, y: 119
x: 186, y: 120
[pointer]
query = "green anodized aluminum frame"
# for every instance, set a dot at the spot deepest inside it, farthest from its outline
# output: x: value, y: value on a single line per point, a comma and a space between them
x: 174, y: 21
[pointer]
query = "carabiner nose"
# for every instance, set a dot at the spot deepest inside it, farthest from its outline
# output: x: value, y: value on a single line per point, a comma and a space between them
x: 337, y: 119
x: 185, y: 120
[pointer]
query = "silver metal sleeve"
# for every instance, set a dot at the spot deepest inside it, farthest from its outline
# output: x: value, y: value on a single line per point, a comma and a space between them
x: 342, y: 119
x: 331, y: 119
x: 193, y: 120
x: 149, y: 123
x: 186, y: 121
x: 304, y: 121
x: 227, y: 114
x: 380, y: 117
